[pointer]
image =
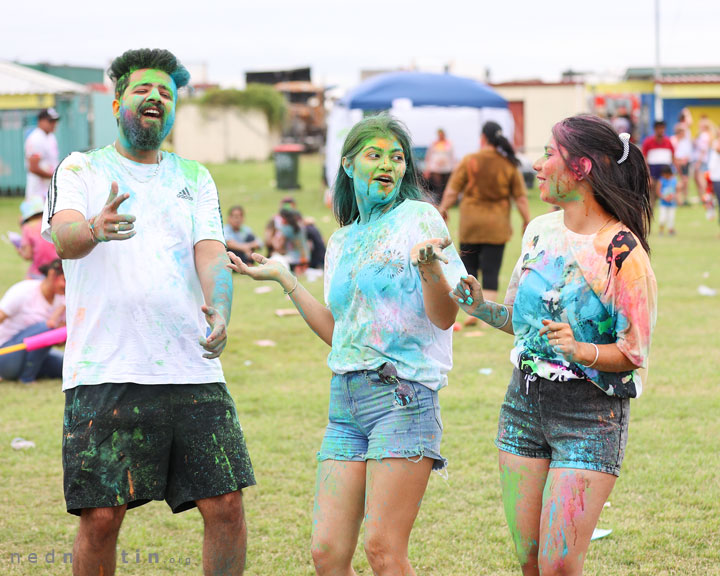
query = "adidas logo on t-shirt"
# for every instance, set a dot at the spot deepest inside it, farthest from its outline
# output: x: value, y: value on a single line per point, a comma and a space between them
x: 185, y: 194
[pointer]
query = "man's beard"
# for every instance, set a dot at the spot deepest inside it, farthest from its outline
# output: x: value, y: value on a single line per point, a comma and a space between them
x: 144, y: 137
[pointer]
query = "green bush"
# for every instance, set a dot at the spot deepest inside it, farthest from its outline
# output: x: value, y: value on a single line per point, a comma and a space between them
x: 255, y: 96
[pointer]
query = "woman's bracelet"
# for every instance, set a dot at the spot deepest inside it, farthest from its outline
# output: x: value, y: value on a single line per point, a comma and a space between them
x: 93, y: 237
x: 597, y: 355
x: 288, y: 292
x: 507, y: 317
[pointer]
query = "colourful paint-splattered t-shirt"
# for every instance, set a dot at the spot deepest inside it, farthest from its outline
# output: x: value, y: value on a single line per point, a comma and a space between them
x: 133, y: 306
x: 601, y: 284
x: 375, y: 296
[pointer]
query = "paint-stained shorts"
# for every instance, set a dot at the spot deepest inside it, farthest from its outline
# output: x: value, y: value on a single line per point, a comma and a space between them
x: 573, y: 424
x: 132, y: 443
x: 367, y: 423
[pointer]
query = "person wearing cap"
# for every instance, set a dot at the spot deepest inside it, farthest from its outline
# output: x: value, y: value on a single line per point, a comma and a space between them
x: 29, y: 308
x: 33, y: 246
x: 41, y: 154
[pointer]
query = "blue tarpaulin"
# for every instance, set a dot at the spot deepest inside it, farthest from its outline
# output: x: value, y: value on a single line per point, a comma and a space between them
x: 423, y: 89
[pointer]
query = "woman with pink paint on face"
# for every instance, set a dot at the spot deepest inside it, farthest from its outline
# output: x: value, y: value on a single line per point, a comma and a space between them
x: 581, y: 305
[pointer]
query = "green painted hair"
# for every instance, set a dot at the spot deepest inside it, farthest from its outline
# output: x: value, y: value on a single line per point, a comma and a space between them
x: 345, y: 205
x: 151, y: 58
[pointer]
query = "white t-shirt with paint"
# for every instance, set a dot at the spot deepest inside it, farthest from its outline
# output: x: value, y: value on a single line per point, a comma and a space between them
x: 133, y: 306
x: 375, y: 296
x: 40, y: 143
x: 25, y: 305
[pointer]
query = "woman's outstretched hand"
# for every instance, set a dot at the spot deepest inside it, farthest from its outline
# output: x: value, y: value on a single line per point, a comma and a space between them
x: 265, y: 270
x: 468, y: 294
x: 429, y: 251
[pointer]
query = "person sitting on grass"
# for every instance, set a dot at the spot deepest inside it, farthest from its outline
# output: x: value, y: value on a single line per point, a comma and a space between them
x: 29, y: 308
x: 388, y: 319
x: 239, y: 238
x: 33, y: 246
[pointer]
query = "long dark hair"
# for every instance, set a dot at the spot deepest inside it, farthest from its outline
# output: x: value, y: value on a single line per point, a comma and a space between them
x: 621, y: 189
x: 493, y: 134
x: 345, y: 205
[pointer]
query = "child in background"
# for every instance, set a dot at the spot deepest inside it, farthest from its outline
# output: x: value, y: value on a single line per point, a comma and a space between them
x: 33, y: 246
x: 239, y: 237
x: 668, y: 200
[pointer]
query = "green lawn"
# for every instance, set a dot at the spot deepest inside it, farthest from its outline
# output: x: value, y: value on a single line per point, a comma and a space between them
x: 664, y: 510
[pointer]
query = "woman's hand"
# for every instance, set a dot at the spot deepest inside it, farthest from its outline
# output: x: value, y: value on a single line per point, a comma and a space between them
x: 560, y: 336
x: 469, y: 295
x: 429, y: 251
x: 265, y: 270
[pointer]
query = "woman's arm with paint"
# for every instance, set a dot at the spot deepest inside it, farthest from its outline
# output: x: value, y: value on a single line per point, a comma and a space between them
x: 75, y: 237
x: 603, y: 357
x: 427, y: 256
x: 317, y: 316
x: 468, y: 294
x: 216, y: 282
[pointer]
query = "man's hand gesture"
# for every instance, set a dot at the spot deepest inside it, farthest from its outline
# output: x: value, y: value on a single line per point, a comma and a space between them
x: 108, y: 224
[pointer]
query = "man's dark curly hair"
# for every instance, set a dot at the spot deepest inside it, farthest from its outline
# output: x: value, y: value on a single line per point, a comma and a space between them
x: 153, y: 58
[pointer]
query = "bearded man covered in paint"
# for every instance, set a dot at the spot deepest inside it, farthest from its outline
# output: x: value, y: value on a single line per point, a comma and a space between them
x: 389, y: 324
x: 143, y: 285
x: 582, y: 306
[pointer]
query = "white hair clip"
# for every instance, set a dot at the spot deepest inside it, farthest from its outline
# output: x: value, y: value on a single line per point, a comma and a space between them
x: 625, y: 139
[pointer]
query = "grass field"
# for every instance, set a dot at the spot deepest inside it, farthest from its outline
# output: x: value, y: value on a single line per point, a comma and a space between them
x: 663, y: 513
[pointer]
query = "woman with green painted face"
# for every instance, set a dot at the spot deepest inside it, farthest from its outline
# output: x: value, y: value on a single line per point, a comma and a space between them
x: 581, y: 306
x: 388, y: 319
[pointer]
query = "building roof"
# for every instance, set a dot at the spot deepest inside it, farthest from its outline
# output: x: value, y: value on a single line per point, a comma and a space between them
x: 16, y: 79
x: 676, y: 73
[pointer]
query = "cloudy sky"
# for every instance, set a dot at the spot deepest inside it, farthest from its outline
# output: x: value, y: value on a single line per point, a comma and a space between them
x: 514, y: 39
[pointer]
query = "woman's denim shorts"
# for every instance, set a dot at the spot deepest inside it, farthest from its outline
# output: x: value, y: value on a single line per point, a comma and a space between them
x: 371, y: 419
x: 573, y: 424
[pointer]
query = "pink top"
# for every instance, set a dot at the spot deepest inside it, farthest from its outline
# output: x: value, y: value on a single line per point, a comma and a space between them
x: 43, y: 252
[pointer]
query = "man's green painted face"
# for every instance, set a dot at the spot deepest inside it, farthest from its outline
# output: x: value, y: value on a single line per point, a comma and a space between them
x: 146, y: 109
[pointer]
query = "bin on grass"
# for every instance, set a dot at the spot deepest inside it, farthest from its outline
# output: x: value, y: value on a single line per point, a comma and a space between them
x: 287, y: 157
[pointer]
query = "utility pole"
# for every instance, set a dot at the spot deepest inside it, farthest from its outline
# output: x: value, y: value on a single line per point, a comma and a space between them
x: 658, y: 75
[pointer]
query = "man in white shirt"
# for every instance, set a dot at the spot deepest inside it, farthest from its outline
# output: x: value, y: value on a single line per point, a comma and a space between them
x: 140, y: 366
x: 41, y: 154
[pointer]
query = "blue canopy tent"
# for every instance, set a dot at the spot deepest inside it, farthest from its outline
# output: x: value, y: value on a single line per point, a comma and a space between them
x: 424, y: 102
x: 423, y: 89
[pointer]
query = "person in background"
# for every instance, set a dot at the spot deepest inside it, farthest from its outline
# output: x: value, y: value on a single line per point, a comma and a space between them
x: 239, y: 238
x: 32, y: 245
x: 439, y: 164
x: 658, y: 151
x: 582, y: 306
x: 668, y: 201
x: 41, y: 154
x: 29, y: 308
x: 683, y: 157
x: 702, y: 144
x: 293, y: 239
x: 489, y: 180
x: 713, y: 176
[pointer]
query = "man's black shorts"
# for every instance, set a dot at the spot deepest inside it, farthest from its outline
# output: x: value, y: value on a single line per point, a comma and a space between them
x: 132, y: 443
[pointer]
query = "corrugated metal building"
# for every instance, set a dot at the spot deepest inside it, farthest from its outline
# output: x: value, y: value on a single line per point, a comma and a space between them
x: 23, y: 93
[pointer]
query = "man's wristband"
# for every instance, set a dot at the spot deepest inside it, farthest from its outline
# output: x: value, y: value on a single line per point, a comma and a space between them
x: 91, y: 225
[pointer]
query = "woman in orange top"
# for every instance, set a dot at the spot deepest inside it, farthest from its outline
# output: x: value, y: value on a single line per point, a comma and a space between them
x: 488, y: 180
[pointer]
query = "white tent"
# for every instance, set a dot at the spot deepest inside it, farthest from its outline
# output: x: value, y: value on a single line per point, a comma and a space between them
x: 424, y: 102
